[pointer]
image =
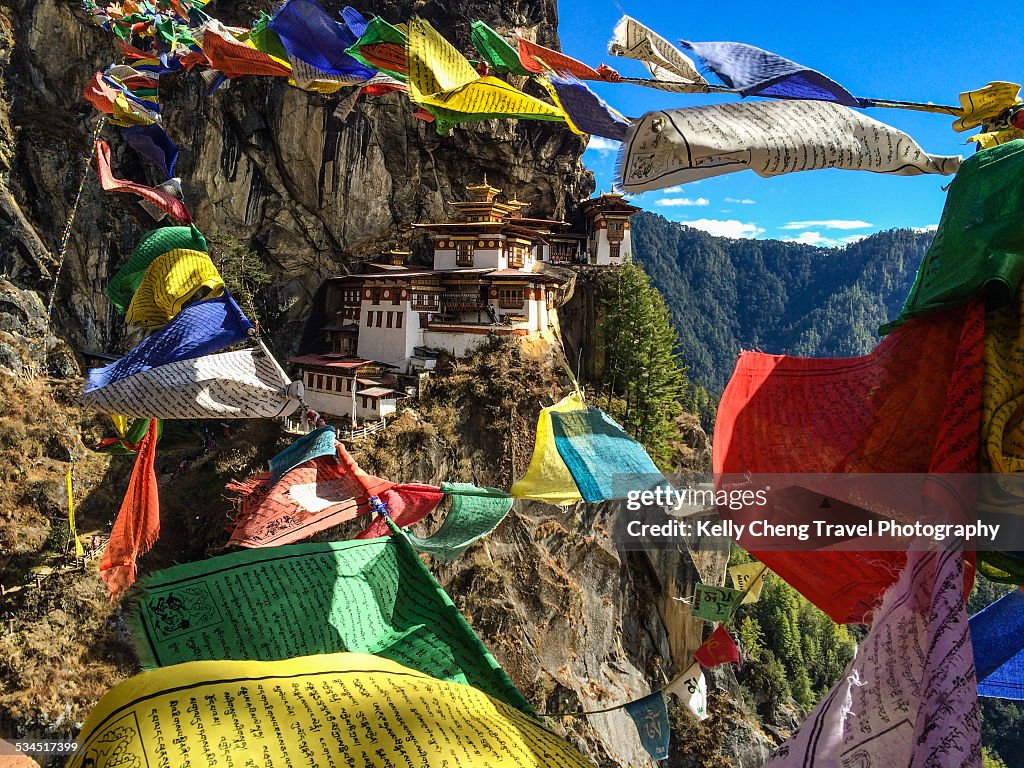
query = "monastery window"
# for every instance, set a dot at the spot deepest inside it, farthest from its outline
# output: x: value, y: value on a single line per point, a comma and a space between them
x: 363, y: 398
x: 464, y: 254
x: 369, y: 319
x: 613, y: 250
x: 421, y: 301
x: 350, y: 296
x: 328, y: 383
x: 398, y: 319
x: 515, y: 257
x: 348, y: 385
x: 380, y: 318
x: 309, y: 379
x: 511, y: 298
x: 390, y: 318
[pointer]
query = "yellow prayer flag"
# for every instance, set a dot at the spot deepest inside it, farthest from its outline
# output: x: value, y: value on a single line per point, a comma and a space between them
x: 127, y: 114
x: 341, y: 709
x: 985, y: 104
x: 435, y: 65
x: 995, y: 138
x: 79, y: 550
x: 170, y: 281
x: 488, y: 98
x: 120, y: 423
x: 1002, y: 407
x: 547, y: 478
x: 745, y: 574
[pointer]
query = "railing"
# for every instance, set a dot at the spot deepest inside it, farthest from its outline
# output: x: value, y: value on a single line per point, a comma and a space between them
x: 359, y: 434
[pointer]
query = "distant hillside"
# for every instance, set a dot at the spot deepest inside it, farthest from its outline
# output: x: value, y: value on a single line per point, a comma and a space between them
x: 727, y: 295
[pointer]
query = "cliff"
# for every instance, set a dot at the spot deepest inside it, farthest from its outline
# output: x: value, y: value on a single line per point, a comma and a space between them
x: 269, y: 165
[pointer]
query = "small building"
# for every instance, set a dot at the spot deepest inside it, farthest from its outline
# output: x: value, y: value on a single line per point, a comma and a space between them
x: 348, y: 387
x: 490, y: 276
x: 608, y: 239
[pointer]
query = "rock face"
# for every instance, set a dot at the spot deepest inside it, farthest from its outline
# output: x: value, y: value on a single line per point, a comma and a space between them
x: 269, y: 165
x: 574, y: 620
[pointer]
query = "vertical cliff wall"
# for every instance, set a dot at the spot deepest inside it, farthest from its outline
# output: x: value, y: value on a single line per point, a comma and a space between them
x: 269, y: 165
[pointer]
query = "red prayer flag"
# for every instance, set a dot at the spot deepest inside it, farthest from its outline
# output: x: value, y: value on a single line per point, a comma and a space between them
x: 538, y: 59
x: 165, y: 201
x: 138, y: 521
x: 234, y: 59
x: 309, y: 498
x: 101, y: 94
x: 407, y: 504
x: 911, y: 406
x: 717, y: 649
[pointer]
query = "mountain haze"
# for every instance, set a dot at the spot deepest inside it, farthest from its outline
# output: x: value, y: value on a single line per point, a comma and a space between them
x: 783, y: 298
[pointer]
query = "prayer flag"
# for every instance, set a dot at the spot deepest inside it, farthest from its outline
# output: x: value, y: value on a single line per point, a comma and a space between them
x: 997, y: 636
x: 547, y: 478
x: 651, y: 719
x: 665, y: 62
x: 310, y: 35
x: 153, y: 143
x: 474, y: 513
x: 248, y: 384
x: 499, y: 54
x: 126, y: 280
x: 663, y: 149
x: 754, y: 71
x: 319, y: 442
x: 715, y: 603
x: 234, y: 58
x: 162, y: 200
x: 585, y: 111
x: 267, y: 604
x: 288, y: 712
x: 171, y: 280
x: 911, y: 406
x: 717, y: 649
x: 138, y: 521
x: 979, y: 245
x: 743, y: 575
x: 692, y: 689
x: 909, y: 696
x: 199, y: 329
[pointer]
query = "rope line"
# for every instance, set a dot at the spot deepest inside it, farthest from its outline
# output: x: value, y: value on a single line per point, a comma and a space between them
x: 669, y: 684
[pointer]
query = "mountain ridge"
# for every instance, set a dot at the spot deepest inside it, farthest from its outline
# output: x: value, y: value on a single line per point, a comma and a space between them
x: 775, y: 296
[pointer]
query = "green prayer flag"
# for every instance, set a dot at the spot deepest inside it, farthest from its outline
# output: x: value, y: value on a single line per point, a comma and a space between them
x: 365, y: 596
x: 379, y: 31
x: 980, y: 240
x: 499, y: 55
x: 715, y: 603
x: 125, y: 282
x: 474, y: 513
x: 265, y: 39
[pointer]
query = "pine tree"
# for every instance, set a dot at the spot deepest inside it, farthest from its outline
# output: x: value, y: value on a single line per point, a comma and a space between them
x: 643, y: 379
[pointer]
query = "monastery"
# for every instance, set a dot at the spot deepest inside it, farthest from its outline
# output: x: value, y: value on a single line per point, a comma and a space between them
x: 491, y: 275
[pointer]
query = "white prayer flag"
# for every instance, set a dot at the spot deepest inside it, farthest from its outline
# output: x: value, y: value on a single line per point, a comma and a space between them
x: 248, y: 384
x: 692, y: 690
x: 663, y: 149
x: 633, y: 40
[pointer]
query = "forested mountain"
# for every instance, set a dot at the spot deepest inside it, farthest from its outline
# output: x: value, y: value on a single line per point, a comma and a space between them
x: 726, y: 295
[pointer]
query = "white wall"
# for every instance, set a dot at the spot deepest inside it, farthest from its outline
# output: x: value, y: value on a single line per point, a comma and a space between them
x: 389, y: 345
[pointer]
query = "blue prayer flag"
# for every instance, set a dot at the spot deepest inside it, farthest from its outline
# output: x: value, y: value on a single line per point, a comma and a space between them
x: 651, y: 718
x: 319, y: 442
x: 603, y: 460
x: 587, y: 111
x: 153, y: 143
x: 310, y: 35
x: 756, y: 72
x: 199, y: 329
x: 354, y: 20
x: 997, y: 634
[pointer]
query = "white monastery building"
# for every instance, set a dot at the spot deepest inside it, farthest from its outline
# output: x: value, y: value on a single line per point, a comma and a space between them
x: 490, y: 276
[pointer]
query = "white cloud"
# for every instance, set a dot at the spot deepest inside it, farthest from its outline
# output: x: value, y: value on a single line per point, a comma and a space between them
x: 828, y: 224
x: 929, y: 228
x: 602, y: 146
x: 674, y: 201
x: 726, y: 228
x: 820, y: 240
x: 740, y: 200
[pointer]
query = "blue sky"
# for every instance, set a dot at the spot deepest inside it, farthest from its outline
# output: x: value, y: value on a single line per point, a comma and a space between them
x: 911, y: 51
